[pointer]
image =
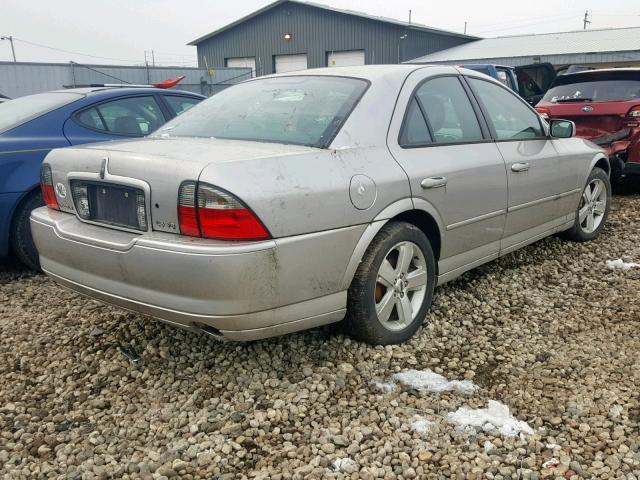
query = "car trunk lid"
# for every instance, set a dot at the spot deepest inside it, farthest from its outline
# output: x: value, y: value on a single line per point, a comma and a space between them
x: 133, y: 185
x: 592, y: 119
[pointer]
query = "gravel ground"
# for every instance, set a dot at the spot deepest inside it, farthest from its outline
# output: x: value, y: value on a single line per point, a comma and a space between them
x: 88, y: 391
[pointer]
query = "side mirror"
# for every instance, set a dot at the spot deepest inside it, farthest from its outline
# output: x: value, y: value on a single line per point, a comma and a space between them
x: 562, y: 128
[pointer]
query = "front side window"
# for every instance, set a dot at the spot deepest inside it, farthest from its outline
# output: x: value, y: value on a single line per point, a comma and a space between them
x: 512, y: 119
x: 181, y: 104
x: 299, y: 110
x: 136, y: 116
x: 444, y: 107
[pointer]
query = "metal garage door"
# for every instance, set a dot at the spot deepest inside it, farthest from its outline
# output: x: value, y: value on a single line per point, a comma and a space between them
x: 345, y: 59
x: 290, y: 63
x: 242, y: 62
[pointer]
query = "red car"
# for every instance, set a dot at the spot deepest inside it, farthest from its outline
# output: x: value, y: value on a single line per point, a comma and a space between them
x: 605, y: 106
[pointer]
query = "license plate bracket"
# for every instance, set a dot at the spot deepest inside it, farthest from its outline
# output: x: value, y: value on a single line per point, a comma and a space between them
x: 116, y: 205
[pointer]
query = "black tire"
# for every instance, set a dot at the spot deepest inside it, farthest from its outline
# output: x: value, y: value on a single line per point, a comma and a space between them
x: 362, y: 321
x: 20, y: 236
x: 577, y: 233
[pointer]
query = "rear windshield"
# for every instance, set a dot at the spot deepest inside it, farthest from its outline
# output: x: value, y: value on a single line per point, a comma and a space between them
x: 595, y: 87
x: 23, y: 109
x: 300, y: 110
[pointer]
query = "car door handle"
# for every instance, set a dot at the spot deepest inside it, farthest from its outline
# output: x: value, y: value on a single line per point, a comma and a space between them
x: 434, y: 182
x: 520, y: 167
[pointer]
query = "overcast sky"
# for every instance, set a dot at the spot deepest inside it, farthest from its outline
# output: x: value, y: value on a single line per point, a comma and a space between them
x: 120, y: 31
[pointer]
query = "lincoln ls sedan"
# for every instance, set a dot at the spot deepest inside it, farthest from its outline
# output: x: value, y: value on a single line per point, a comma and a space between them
x: 302, y: 199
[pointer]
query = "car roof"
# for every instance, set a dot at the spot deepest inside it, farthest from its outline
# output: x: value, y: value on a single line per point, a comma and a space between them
x: 497, y: 65
x: 366, y: 72
x: 602, y: 71
x: 109, y: 91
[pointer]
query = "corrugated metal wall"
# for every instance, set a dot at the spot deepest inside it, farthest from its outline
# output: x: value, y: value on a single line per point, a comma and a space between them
x: 602, y: 60
x: 19, y: 79
x: 317, y: 32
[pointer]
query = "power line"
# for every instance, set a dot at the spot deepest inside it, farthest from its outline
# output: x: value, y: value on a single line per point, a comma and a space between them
x: 510, y: 22
x: 72, y: 52
x: 526, y: 25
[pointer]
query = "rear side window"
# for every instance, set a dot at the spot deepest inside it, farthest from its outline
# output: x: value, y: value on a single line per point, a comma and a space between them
x: 415, y: 131
x: 505, y: 79
x: 181, y: 104
x: 443, y: 107
x: 135, y: 116
x: 23, y: 109
x: 91, y: 118
x: 512, y: 119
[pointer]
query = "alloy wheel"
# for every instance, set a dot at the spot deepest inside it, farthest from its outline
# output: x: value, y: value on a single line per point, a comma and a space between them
x: 593, y: 205
x: 401, y: 285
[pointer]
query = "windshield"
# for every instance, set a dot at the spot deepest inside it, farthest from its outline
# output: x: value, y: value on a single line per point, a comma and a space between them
x: 22, y: 109
x: 595, y: 87
x: 300, y: 110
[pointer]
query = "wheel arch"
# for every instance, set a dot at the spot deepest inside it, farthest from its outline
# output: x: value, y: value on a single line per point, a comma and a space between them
x: 601, y: 161
x: 417, y: 212
x: 18, y: 205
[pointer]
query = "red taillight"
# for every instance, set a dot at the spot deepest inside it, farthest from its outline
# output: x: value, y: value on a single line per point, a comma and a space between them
x: 544, y: 112
x: 209, y: 212
x: 46, y: 185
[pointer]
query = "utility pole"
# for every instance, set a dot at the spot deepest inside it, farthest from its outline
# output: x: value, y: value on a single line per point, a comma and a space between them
x: 13, y: 50
x: 153, y: 58
x: 586, y: 20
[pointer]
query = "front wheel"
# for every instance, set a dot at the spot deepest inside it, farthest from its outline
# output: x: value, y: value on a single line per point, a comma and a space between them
x: 593, y: 208
x: 393, y: 286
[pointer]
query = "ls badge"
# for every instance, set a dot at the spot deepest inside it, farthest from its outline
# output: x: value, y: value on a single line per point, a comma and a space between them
x: 61, y: 190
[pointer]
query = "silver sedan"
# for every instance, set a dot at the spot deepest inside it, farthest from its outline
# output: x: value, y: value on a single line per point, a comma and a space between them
x: 298, y: 200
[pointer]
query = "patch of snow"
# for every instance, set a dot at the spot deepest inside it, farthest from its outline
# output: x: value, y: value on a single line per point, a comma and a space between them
x: 421, y: 424
x: 345, y: 465
x: 488, y: 446
x: 495, y: 417
x: 427, y: 380
x: 620, y: 264
x: 385, y: 387
x: 551, y: 463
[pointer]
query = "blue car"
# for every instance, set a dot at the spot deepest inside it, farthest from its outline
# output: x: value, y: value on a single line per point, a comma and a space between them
x: 31, y: 126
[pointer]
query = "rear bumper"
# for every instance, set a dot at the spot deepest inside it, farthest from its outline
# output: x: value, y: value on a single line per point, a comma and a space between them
x: 243, y: 291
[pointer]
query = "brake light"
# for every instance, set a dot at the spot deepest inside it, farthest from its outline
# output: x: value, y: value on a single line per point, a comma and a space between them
x: 46, y: 185
x: 544, y: 112
x: 209, y: 212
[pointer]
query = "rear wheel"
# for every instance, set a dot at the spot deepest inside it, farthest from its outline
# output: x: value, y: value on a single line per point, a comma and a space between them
x: 21, y: 239
x: 393, y: 286
x: 593, y: 208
